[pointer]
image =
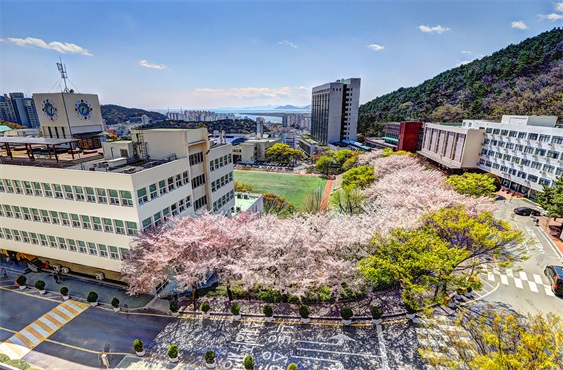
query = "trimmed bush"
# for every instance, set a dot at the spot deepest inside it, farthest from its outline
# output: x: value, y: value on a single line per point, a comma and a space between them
x: 174, y: 306
x: 346, y: 313
x: 209, y: 357
x: 19, y: 364
x: 115, y: 302
x: 292, y: 367
x: 268, y: 311
x: 64, y: 290
x: 173, y: 351
x: 235, y: 309
x: 205, y: 307
x: 304, y: 311
x: 21, y: 280
x: 92, y: 297
x: 248, y: 363
x: 40, y: 284
x: 376, y: 312
x: 138, y: 345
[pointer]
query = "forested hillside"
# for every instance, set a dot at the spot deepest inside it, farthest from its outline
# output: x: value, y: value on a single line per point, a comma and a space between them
x: 523, y: 79
x: 230, y: 126
x: 114, y: 114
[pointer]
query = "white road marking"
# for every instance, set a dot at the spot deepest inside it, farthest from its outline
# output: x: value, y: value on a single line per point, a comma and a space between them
x: 518, y: 283
x: 523, y: 275
x: 382, y: 348
x: 538, y: 279
x: 30, y: 336
x: 40, y: 330
x: 490, y: 276
x: 509, y: 273
x: 48, y: 322
x: 504, y: 279
x: 548, y: 291
x: 533, y: 286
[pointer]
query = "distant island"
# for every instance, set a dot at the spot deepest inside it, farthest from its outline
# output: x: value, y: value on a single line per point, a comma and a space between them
x: 293, y: 107
x: 114, y: 114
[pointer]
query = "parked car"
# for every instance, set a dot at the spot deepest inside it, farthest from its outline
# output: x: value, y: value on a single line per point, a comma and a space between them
x: 525, y: 211
x: 555, y: 276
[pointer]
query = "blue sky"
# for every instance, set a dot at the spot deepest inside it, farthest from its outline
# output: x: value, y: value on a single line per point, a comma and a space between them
x: 196, y: 54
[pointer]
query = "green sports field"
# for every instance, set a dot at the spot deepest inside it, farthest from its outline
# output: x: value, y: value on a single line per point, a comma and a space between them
x: 292, y: 187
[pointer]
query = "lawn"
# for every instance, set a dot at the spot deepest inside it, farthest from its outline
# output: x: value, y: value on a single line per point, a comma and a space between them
x: 292, y: 187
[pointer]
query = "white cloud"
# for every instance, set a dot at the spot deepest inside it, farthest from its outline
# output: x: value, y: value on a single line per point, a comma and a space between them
x: 520, y: 25
x: 375, y: 47
x: 288, y: 43
x: 438, y: 29
x: 61, y: 47
x: 551, y: 17
x: 249, y: 92
x: 466, y: 52
x: 559, y: 7
x: 146, y: 64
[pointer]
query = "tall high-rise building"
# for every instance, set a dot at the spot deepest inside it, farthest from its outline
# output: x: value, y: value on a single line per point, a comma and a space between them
x: 334, y: 111
x: 16, y: 108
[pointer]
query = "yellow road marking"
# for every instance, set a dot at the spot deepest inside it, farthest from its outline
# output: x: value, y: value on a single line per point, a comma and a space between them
x: 29, y: 295
x: 481, y: 297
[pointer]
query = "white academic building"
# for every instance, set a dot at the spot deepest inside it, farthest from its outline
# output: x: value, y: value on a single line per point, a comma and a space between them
x: 524, y: 152
x: 80, y: 211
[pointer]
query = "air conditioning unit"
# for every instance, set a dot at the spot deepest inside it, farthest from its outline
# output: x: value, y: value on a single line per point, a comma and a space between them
x: 57, y: 268
x: 100, y: 276
x: 65, y: 270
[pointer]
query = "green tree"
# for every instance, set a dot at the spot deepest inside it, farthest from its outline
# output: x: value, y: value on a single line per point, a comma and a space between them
x: 551, y: 199
x: 500, y: 339
x: 359, y: 177
x: 242, y: 187
x: 325, y: 164
x: 342, y: 156
x: 348, y: 200
x: 276, y: 205
x: 312, y: 202
x: 474, y: 184
x: 283, y: 153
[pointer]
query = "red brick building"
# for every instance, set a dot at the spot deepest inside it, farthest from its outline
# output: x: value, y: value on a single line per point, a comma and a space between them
x: 399, y: 136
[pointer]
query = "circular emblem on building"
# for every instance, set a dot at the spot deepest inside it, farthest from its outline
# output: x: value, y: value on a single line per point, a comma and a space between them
x: 49, y: 109
x: 83, y: 109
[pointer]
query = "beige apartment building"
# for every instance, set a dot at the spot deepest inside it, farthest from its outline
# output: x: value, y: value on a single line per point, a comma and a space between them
x: 80, y: 212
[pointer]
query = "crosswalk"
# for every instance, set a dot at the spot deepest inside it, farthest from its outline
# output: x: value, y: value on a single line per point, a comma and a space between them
x: 21, y: 343
x: 520, y: 279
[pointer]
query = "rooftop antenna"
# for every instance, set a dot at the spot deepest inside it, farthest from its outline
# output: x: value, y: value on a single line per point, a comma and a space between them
x: 64, y: 76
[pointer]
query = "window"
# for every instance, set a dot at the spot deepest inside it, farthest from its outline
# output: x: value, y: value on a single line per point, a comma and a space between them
x: 26, y: 214
x: 132, y: 228
x: 189, y: 201
x: 113, y: 253
x: 82, y: 246
x: 489, y: 130
x: 55, y: 218
x: 154, y: 193
x: 536, y: 165
x: 34, y: 238
x: 126, y: 198
x: 38, y: 191
x: 9, y: 186
x: 43, y: 240
x: 97, y: 223
x: 196, y: 158
x: 75, y: 220
x: 58, y: 191
x: 65, y: 219
x: 2, y: 188
x: 525, y: 162
x: 8, y: 211
x: 156, y: 218
x: 504, y: 132
x: 18, y: 187
x: 45, y: 216
x: 548, y: 168
x: 501, y: 144
x: 557, y: 140
x: 108, y: 225
x: 200, y: 203
x: 17, y: 212
x: 496, y: 166
x: 103, y: 250
x: 512, y: 134
x: 174, y: 209
x: 171, y: 184
x: 162, y: 187
x: 68, y: 192
x: 509, y: 145
x: 181, y: 206
x: 519, y: 147
x: 532, y: 178
x: 35, y: 214
x: 165, y: 212
x: 72, y: 245
x: 90, y: 195
x: 92, y: 249
x: 198, y: 181
x: 544, y: 138
x: 86, y: 222
x: 79, y: 193
x: 532, y: 136
x: 113, y: 197
x: 178, y: 180
x: 102, y: 198
x: 52, y: 242
x: 147, y: 222
x: 496, y: 131
x: 142, y: 196
x: 28, y: 188
x: 552, y: 154
x: 528, y: 149
x: 522, y: 174
x: 48, y: 191
x: 8, y: 233
x: 540, y: 152
x: 119, y: 227
x: 515, y: 159
x: 559, y: 172
x: 545, y: 182
x: 521, y: 135
x: 123, y: 253
x: 17, y: 236
x: 185, y: 177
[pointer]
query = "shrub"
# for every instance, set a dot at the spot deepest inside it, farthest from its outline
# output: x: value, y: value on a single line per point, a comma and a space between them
x: 268, y: 311
x: 174, y: 306
x: 92, y: 297
x: 248, y: 363
x: 138, y: 345
x: 4, y: 358
x: 346, y: 313
x: 19, y: 364
x: 235, y: 309
x: 293, y: 299
x: 376, y: 312
x: 115, y: 302
x: 40, y: 284
x: 270, y: 296
x: 64, y: 290
x: 209, y: 357
x: 205, y: 307
x: 410, y: 308
x: 173, y: 351
x: 292, y: 367
x: 21, y: 280
x: 304, y: 311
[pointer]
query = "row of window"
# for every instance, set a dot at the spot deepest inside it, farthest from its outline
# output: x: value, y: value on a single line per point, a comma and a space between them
x: 198, y: 181
x: 550, y: 154
x: 224, y: 200
x: 219, y: 183
x: 524, y: 135
x: 68, y: 192
x: 532, y: 164
x: 162, y: 187
x: 196, y: 158
x: 220, y: 162
x: 174, y: 210
x: 200, y: 203
x: 65, y: 219
x: 518, y: 173
x: 93, y: 249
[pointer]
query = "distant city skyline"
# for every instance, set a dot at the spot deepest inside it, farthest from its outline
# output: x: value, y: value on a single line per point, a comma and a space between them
x: 235, y: 54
